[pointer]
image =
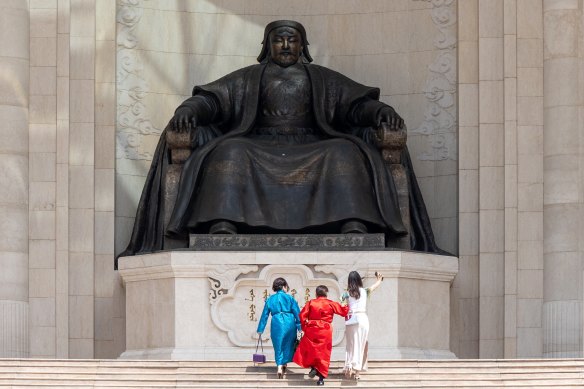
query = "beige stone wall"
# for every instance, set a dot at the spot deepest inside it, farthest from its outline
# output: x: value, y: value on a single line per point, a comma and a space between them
x: 71, y: 282
x: 14, y: 173
x: 563, y: 126
x: 519, y: 290
x: 405, y: 47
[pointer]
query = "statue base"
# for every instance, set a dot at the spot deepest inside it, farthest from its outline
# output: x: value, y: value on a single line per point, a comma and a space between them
x: 256, y: 242
x: 205, y: 305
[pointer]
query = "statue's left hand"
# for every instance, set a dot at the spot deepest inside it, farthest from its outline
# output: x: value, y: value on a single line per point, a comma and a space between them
x: 389, y: 116
x: 183, y: 120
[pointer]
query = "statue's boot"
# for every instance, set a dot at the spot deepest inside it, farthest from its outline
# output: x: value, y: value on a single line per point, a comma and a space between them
x: 353, y: 227
x: 223, y: 227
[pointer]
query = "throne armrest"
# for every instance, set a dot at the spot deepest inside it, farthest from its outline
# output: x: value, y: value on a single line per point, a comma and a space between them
x: 392, y: 143
x: 179, y: 144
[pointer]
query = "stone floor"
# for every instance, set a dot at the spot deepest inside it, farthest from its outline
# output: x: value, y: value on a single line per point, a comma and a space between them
x: 33, y: 373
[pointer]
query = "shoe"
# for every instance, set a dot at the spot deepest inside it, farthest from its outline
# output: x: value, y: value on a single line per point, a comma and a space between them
x: 280, y: 372
x: 284, y: 369
x: 357, y: 376
x: 320, y: 382
x: 223, y: 228
x: 353, y: 227
x: 312, y: 372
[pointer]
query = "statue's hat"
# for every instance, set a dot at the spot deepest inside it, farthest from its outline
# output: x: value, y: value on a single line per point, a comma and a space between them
x: 283, y: 23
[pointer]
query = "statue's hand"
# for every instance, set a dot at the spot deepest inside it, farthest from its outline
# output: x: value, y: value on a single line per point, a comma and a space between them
x: 389, y: 116
x: 183, y: 120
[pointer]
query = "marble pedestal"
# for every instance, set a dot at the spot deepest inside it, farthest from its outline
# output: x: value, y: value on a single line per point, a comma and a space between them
x: 206, y: 305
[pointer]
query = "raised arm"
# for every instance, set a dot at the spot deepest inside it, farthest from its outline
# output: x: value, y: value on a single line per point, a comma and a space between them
x: 379, y: 277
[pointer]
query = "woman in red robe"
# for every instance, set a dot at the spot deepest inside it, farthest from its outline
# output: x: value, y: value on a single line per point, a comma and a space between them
x: 316, y: 345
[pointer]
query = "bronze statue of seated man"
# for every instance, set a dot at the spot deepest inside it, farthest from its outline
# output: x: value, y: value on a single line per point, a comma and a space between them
x: 284, y: 146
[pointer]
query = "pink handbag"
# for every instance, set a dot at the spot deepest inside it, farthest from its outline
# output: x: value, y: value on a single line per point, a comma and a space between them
x: 259, y: 358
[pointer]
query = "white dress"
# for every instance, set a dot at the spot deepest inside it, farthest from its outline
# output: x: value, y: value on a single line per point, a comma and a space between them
x: 356, y: 332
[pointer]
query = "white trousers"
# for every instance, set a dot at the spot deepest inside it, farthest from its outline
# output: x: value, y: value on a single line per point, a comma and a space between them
x: 356, y: 337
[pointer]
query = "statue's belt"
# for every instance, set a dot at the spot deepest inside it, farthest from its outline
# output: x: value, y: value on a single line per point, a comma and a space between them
x: 283, y: 122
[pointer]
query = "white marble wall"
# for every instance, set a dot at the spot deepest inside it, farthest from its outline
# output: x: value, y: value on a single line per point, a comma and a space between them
x: 14, y: 173
x: 405, y: 47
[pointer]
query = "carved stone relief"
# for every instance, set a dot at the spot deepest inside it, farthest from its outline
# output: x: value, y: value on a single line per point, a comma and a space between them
x: 222, y: 278
x: 133, y: 122
x: 440, y: 91
x: 245, y: 297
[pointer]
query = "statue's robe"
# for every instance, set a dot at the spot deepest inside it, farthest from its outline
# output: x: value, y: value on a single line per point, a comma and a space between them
x: 334, y: 98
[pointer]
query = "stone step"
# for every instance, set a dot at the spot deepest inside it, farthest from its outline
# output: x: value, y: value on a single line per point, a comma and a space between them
x: 44, y: 373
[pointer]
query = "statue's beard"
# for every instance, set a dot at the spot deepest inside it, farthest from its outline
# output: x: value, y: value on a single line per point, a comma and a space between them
x: 285, y: 59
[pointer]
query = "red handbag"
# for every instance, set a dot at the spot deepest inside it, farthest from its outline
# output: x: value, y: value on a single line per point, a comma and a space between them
x: 259, y: 358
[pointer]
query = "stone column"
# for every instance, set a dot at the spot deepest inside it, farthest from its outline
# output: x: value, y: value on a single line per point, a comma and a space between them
x: 14, y: 100
x: 491, y: 180
x: 563, y: 180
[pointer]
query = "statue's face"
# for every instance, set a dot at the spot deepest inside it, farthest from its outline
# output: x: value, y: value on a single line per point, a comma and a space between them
x: 285, y: 46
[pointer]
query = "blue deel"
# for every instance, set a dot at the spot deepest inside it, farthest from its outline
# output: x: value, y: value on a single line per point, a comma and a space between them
x: 285, y: 322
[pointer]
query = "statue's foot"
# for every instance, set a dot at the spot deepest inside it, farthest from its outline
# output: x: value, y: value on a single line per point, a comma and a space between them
x: 223, y: 227
x: 353, y: 227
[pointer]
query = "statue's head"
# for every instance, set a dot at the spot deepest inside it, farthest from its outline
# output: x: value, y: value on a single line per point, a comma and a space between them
x: 284, y: 43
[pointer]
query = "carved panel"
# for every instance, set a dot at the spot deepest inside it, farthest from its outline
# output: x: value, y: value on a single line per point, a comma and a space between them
x: 222, y: 278
x: 246, y: 297
x: 133, y: 121
x: 440, y: 91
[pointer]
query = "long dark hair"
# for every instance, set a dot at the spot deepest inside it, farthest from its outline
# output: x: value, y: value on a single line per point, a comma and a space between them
x: 354, y: 283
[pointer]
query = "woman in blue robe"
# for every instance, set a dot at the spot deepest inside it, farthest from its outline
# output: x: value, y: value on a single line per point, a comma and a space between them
x: 285, y: 323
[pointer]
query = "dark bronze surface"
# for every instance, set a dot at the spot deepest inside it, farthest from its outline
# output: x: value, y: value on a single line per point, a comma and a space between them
x: 205, y: 242
x: 283, y: 147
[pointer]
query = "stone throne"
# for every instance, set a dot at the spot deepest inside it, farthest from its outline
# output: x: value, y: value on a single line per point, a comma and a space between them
x: 391, y: 144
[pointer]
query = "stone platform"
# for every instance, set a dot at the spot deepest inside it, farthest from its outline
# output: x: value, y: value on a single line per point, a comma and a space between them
x: 205, y: 305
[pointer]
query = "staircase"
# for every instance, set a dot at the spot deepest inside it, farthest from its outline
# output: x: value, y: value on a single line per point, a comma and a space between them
x: 46, y: 373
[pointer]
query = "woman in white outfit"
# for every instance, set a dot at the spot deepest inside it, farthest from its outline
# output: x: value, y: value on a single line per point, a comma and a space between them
x: 357, y: 324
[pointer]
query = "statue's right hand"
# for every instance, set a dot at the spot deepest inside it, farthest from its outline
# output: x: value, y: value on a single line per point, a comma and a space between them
x: 183, y: 120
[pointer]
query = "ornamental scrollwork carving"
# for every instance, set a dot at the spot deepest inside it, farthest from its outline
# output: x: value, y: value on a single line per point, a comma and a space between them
x: 222, y: 277
x: 440, y: 89
x: 132, y: 118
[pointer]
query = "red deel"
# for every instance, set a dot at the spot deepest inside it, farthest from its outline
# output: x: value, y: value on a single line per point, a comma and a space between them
x: 315, y: 346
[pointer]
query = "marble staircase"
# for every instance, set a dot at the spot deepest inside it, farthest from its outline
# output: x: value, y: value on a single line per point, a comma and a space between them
x: 38, y: 373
